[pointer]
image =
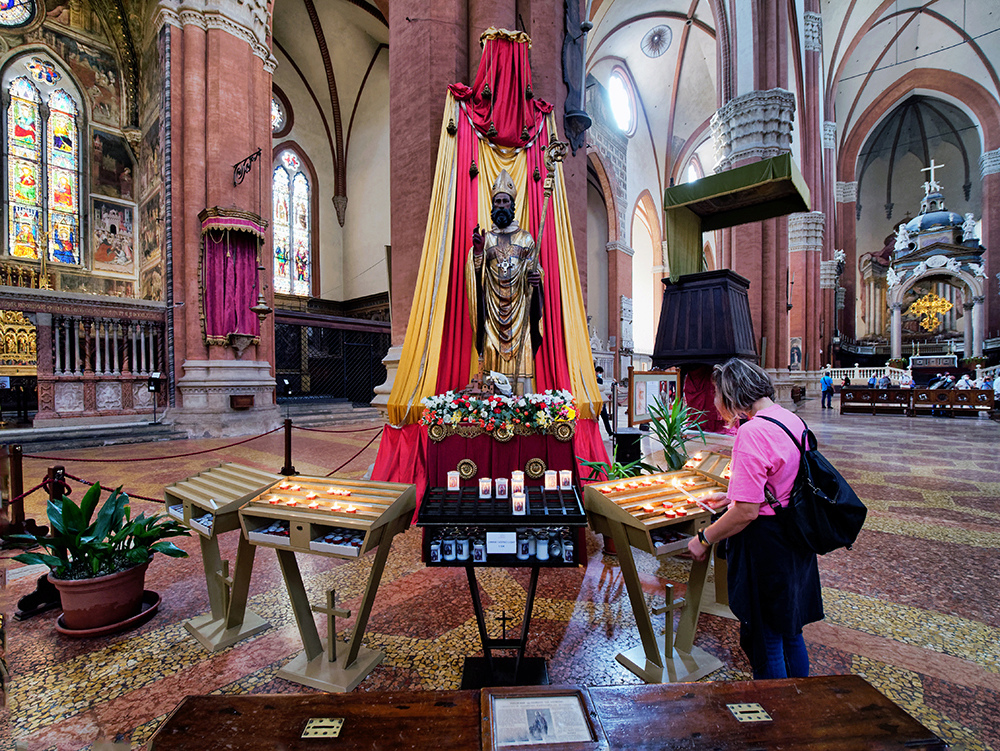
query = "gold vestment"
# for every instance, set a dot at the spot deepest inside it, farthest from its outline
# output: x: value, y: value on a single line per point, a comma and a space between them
x: 499, y: 291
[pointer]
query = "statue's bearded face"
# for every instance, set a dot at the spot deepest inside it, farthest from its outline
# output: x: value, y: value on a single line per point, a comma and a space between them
x: 503, y: 210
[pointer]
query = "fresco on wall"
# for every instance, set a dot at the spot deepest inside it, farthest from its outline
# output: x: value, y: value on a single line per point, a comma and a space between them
x: 111, y: 166
x: 113, y: 238
x: 80, y: 17
x: 150, y: 231
x: 151, y: 283
x: 96, y: 285
x: 95, y: 69
x: 150, y: 160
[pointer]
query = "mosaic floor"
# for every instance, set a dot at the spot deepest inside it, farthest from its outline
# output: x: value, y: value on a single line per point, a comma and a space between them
x: 912, y: 609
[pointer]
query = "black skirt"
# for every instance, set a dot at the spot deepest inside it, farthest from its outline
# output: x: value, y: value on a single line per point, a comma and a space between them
x: 770, y: 583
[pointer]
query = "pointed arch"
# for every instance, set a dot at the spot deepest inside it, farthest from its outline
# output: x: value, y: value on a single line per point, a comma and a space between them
x: 295, y: 221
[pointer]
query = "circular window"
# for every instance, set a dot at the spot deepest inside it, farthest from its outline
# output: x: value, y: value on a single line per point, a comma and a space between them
x: 622, y: 101
x: 281, y: 113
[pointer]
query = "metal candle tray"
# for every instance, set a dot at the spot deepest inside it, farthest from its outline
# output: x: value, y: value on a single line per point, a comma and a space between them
x: 658, y: 511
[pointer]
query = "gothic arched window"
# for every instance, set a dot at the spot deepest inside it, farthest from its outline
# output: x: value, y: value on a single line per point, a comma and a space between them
x: 42, y: 129
x: 292, y: 236
x: 16, y: 13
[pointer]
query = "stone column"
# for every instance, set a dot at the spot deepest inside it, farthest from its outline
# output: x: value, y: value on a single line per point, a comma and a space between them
x: 897, y: 329
x: 220, y: 91
x: 751, y: 127
x: 978, y: 319
x: 967, y: 336
x: 846, y: 240
x: 989, y: 169
x: 619, y: 286
x: 805, y: 246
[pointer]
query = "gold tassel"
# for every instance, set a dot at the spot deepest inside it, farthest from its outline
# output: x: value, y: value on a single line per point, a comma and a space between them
x: 452, y: 129
x: 528, y: 93
x: 473, y: 169
x: 492, y: 132
x: 487, y: 94
x: 536, y: 175
x: 524, y: 134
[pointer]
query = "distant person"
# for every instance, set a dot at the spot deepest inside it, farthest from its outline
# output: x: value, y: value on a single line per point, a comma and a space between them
x: 845, y: 383
x: 906, y: 382
x: 873, y: 381
x: 964, y: 382
x: 606, y: 396
x: 884, y: 382
x: 826, y: 389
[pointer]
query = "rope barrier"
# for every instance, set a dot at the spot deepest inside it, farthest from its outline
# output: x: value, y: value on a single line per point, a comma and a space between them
x: 26, y: 493
x: 320, y: 430
x: 152, y: 458
x: 357, y: 454
x: 105, y: 487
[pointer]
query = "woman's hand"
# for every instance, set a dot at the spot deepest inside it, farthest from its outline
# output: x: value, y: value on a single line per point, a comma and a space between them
x: 716, y: 500
x: 697, y: 550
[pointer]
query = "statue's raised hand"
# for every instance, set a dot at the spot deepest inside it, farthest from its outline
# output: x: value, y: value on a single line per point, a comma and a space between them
x: 477, y: 240
x: 534, y: 279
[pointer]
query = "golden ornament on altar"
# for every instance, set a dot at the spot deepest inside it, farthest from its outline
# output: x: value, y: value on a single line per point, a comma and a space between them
x: 929, y: 307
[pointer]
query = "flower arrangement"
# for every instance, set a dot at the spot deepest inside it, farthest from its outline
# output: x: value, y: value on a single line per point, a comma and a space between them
x: 975, y: 361
x: 494, y: 411
x: 900, y: 363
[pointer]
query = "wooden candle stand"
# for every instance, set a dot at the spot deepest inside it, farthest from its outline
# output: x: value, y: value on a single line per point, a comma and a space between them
x: 208, y: 503
x: 656, y: 514
x: 338, y: 518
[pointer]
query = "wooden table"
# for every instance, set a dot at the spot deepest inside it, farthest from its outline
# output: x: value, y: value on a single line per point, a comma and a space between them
x: 829, y: 712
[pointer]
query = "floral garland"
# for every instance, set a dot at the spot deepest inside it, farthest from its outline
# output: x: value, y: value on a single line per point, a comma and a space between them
x: 494, y: 411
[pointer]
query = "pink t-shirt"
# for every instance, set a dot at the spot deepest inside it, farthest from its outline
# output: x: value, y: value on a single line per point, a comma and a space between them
x: 764, y: 454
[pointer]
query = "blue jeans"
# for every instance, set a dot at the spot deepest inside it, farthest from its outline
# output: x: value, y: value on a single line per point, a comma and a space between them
x: 827, y: 399
x: 786, y: 656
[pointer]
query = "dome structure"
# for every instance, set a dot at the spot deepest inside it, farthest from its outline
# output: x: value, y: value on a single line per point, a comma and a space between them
x: 933, y: 216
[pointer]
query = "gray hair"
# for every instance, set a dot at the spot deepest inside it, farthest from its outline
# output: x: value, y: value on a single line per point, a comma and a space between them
x: 740, y: 383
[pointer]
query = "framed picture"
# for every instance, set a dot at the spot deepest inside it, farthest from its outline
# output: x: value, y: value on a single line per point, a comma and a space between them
x: 647, y: 387
x: 113, y: 229
x: 540, y: 717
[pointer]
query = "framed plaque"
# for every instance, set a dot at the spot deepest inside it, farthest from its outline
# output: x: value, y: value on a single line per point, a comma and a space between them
x: 647, y: 387
x: 540, y: 717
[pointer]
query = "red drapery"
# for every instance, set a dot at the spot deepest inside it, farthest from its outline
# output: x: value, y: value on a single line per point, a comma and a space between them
x: 505, y: 69
x: 229, y: 274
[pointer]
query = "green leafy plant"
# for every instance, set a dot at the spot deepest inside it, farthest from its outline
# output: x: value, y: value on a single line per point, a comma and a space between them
x: 671, y: 426
x: 600, y: 471
x: 79, y: 548
x: 900, y: 363
x: 975, y: 362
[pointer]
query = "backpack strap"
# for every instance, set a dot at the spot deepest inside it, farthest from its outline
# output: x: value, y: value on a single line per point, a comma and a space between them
x: 782, y: 425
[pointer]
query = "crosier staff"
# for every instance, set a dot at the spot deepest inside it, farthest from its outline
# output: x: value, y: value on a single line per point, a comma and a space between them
x: 555, y: 152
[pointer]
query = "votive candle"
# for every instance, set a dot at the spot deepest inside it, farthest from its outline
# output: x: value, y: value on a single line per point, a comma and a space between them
x: 519, y: 504
x: 454, y: 480
x: 502, y: 485
x: 517, y: 482
x: 551, y: 479
x: 566, y: 479
x: 485, y: 487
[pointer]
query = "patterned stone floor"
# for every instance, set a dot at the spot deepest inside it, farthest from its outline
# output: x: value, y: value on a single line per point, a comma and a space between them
x: 913, y: 608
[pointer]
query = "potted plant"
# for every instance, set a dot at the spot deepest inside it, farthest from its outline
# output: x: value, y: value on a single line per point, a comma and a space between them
x: 99, y: 566
x: 899, y: 363
x: 975, y: 361
x: 671, y: 426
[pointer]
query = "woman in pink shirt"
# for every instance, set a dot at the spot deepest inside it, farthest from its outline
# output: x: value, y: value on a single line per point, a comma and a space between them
x: 774, y: 588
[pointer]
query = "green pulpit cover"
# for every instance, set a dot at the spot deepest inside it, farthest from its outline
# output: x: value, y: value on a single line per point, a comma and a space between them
x: 751, y: 193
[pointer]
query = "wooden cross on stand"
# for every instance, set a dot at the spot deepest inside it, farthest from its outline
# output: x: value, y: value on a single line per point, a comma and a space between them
x: 669, y: 608
x: 332, y: 613
x: 503, y: 618
x: 227, y: 585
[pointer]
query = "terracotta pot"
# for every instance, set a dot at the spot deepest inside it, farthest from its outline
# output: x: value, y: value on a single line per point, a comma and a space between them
x: 103, y: 600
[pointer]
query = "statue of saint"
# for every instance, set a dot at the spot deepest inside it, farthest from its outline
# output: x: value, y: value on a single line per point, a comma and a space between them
x: 504, y: 284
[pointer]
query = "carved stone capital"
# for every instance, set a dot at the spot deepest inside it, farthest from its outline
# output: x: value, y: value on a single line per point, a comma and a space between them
x: 805, y: 231
x: 989, y: 163
x: 978, y: 299
x: 813, y: 28
x: 619, y: 246
x: 754, y: 126
x: 846, y: 192
x: 248, y: 20
x: 896, y: 306
x: 829, y: 135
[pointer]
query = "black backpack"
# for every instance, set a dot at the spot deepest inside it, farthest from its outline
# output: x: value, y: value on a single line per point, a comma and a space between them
x: 824, y: 513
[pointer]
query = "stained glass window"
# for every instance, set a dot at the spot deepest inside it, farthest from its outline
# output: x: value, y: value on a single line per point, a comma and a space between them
x: 24, y: 169
x: 43, y: 185
x: 14, y: 13
x: 292, y: 237
x: 277, y: 115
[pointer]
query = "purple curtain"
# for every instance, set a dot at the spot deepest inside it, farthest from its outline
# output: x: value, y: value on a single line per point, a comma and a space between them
x: 230, y: 284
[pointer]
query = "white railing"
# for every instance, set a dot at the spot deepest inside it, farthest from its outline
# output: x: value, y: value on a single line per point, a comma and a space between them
x: 105, y: 346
